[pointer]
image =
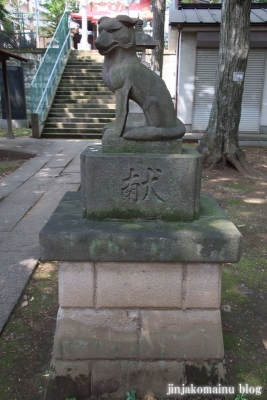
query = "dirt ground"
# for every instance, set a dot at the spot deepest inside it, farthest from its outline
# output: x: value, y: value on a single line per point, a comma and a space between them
x: 26, y: 342
x: 244, y: 285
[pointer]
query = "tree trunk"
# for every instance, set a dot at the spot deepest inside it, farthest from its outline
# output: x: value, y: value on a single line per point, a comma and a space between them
x: 158, y: 34
x: 220, y: 141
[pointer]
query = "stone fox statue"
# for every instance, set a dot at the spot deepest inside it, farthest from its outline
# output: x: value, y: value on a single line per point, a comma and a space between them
x: 128, y: 78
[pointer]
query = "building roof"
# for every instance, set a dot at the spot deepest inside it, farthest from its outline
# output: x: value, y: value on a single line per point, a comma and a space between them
x: 195, y: 14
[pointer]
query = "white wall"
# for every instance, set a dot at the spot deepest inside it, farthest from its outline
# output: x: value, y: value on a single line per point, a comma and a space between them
x: 186, y: 81
x: 263, y: 116
x: 169, y: 71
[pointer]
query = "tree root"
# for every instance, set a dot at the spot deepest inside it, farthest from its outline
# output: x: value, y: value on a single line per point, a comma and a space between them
x: 213, y: 159
x: 238, y: 160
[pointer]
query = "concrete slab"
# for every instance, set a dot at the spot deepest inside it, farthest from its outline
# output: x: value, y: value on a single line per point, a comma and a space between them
x: 28, y: 197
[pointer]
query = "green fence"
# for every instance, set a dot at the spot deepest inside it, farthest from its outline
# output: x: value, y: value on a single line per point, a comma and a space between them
x: 45, y: 82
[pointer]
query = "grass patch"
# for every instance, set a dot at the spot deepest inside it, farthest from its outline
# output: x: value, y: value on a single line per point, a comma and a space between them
x: 7, y: 166
x: 18, y: 132
x: 27, y: 340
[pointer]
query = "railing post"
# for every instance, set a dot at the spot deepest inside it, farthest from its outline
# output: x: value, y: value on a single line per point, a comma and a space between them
x: 35, y: 126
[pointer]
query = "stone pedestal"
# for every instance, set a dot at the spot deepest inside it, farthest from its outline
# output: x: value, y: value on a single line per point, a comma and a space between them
x: 139, y: 284
x: 148, y: 186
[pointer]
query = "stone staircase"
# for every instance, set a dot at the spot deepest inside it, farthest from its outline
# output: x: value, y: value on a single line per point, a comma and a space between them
x: 83, y: 104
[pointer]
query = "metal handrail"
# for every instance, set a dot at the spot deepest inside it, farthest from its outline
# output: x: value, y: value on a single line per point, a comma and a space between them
x: 45, y: 82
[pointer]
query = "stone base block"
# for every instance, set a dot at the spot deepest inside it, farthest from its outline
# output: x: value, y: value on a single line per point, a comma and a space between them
x: 147, y: 186
x: 106, y: 379
x: 181, y: 334
x: 137, y: 285
x: 86, y: 334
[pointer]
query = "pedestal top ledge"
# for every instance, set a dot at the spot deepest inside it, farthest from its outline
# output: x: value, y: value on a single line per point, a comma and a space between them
x: 69, y: 237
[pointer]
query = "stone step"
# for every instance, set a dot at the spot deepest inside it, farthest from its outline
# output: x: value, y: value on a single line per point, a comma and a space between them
x: 78, y: 64
x: 83, y: 105
x: 94, y: 104
x: 74, y: 125
x: 52, y: 120
x: 88, y: 99
x: 86, y: 68
x: 82, y: 81
x: 82, y: 76
x: 78, y: 86
x: 80, y: 70
x: 85, y: 53
x: 72, y: 135
x: 82, y: 97
x: 91, y: 57
x: 94, y: 58
x: 83, y: 112
x: 83, y: 93
x: 72, y: 131
x: 100, y: 99
x: 96, y: 90
x: 93, y: 75
x: 84, y: 64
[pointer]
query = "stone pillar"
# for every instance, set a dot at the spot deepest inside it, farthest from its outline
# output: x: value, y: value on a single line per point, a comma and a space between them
x: 84, y: 45
x: 139, y: 273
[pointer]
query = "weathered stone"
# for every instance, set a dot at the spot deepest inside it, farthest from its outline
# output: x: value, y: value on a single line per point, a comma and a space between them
x: 148, y: 186
x: 211, y: 239
x: 120, y: 145
x: 138, y: 285
x: 114, y: 377
x: 84, y: 334
x: 181, y: 334
x: 69, y: 379
x: 128, y: 78
x: 76, y: 284
x: 202, y: 286
x: 203, y: 372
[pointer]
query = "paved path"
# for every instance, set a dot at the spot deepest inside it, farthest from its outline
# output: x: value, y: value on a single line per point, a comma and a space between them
x: 28, y: 197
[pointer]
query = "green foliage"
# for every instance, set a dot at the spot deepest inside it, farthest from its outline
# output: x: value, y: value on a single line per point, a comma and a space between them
x: 72, y: 398
x: 240, y: 397
x: 3, y: 11
x: 55, y: 10
x: 131, y: 395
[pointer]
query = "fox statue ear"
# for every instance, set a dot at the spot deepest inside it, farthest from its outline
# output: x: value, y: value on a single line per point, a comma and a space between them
x: 101, y: 19
x: 124, y: 19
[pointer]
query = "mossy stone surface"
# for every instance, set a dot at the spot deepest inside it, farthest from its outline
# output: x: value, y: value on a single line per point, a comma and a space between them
x: 120, y: 145
x: 68, y: 236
